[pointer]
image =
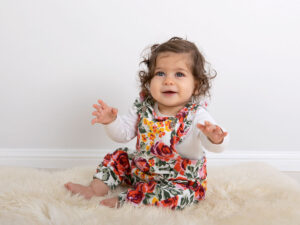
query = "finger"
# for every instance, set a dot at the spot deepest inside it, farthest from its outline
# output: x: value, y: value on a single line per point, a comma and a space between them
x: 199, y: 125
x: 98, y: 107
x: 207, y: 123
x: 203, y: 128
x: 97, y: 113
x: 94, y: 121
x: 221, y: 136
x: 211, y: 128
x: 102, y: 103
x: 218, y: 130
x: 225, y: 134
x: 114, y: 111
x: 221, y: 132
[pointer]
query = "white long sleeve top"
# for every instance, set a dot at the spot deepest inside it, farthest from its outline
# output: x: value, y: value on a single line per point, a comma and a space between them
x: 124, y: 129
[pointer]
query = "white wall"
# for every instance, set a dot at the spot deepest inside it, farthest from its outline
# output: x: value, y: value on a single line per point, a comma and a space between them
x: 58, y: 57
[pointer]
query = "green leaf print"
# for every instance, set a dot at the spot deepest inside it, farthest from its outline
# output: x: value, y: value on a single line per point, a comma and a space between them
x: 182, y: 202
x: 161, y: 163
x: 166, y: 194
x: 146, y: 201
x: 113, y: 175
x: 190, y: 168
x: 142, y: 130
x: 143, y: 145
x: 137, y: 104
x: 158, y: 191
x: 105, y: 175
x: 149, y: 195
x: 195, y: 185
x: 175, y: 191
x: 192, y: 198
x: 173, y: 133
x: 188, y: 175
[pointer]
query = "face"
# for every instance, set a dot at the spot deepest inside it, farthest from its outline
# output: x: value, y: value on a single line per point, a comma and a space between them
x: 173, y: 83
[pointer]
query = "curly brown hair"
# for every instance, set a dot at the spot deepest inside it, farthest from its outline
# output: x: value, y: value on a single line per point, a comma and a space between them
x: 178, y: 45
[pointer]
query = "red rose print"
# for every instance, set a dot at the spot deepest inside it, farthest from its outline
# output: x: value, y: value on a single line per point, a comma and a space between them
x: 181, y: 115
x: 175, y: 139
x: 170, y: 202
x: 106, y: 160
x: 142, y: 164
x: 202, y: 172
x: 183, y: 182
x: 180, y: 131
x: 162, y: 151
x: 200, y: 192
x: 181, y: 165
x: 146, y: 187
x: 135, y: 196
x: 121, y: 164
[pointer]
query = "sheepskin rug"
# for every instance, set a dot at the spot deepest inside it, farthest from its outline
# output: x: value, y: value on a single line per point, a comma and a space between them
x: 242, y: 194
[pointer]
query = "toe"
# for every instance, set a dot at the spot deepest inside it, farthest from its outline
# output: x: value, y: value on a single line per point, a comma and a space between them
x: 111, y: 202
x: 68, y: 185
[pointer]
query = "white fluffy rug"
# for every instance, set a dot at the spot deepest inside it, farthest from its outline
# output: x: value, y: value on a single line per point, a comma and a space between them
x: 250, y: 193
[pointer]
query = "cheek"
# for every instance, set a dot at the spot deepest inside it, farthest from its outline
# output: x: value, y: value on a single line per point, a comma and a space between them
x: 188, y: 88
x: 153, y: 85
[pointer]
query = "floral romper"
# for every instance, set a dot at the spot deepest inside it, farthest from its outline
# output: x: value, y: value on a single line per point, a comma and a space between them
x: 157, y: 174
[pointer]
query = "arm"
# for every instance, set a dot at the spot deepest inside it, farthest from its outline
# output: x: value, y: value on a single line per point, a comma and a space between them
x: 123, y: 129
x: 213, y: 137
x: 118, y: 128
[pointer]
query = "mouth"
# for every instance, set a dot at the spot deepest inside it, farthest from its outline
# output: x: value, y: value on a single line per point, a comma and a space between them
x: 169, y: 92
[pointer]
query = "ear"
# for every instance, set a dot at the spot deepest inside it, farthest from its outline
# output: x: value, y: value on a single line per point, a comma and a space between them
x: 196, y: 89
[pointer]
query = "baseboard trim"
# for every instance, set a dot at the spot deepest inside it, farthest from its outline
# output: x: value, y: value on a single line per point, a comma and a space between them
x: 66, y: 158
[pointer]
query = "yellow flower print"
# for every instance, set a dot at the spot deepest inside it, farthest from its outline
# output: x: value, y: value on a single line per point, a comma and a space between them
x: 145, y: 121
x: 151, y: 136
x: 204, y: 184
x: 154, y: 200
x: 151, y: 128
x: 162, y: 134
x: 168, y: 125
x: 144, y: 138
x: 151, y: 162
x: 136, y: 172
x: 154, y: 129
x: 160, y: 124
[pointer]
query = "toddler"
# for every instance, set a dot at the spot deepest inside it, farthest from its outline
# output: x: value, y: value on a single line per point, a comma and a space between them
x: 168, y: 166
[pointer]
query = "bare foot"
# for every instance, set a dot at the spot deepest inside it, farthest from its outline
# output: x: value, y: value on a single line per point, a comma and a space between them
x: 86, y: 191
x: 111, y: 202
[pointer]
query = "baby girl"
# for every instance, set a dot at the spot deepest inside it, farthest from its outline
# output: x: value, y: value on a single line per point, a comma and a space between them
x: 173, y: 128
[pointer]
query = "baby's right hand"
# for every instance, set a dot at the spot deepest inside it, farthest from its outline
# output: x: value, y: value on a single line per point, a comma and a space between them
x: 104, y: 114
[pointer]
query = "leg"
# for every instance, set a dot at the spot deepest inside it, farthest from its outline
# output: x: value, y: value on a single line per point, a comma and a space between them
x: 111, y: 202
x: 115, y: 169
x: 96, y: 188
x: 171, y: 195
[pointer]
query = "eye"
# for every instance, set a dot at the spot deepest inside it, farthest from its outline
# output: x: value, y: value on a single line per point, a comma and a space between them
x: 178, y: 74
x: 160, y: 74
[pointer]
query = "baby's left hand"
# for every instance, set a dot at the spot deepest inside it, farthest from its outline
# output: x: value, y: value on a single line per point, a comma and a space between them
x: 214, y: 133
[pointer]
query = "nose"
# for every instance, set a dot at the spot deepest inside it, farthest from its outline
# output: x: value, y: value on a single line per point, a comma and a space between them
x: 168, y: 81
